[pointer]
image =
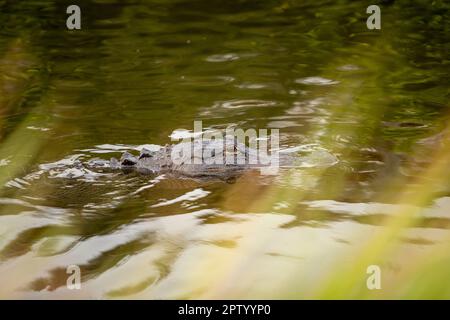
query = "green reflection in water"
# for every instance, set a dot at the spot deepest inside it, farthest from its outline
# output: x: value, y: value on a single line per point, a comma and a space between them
x: 139, y: 70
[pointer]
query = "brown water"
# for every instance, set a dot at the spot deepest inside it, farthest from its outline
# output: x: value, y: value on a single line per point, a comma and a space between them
x: 138, y: 71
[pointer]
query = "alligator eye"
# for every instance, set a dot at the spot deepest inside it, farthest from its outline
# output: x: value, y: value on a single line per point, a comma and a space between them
x: 145, y: 155
x: 127, y: 162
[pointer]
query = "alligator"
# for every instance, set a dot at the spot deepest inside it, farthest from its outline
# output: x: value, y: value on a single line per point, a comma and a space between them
x: 208, y: 158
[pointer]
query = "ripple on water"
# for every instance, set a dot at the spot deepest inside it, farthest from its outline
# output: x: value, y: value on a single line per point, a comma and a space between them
x: 206, y: 81
x: 240, y: 104
x: 43, y: 129
x: 283, y: 124
x: 110, y: 148
x: 317, y: 81
x: 348, y: 67
x: 178, y: 134
x: 189, y: 196
x: 70, y: 167
x: 222, y: 57
x: 4, y: 162
x: 305, y: 107
x: 253, y: 86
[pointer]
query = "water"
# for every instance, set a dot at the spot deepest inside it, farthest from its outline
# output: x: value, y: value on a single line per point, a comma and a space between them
x: 138, y: 72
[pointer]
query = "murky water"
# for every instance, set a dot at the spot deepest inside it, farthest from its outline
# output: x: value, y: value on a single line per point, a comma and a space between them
x: 139, y: 71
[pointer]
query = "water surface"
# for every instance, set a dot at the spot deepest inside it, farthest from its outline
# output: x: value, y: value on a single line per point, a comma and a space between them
x: 138, y: 71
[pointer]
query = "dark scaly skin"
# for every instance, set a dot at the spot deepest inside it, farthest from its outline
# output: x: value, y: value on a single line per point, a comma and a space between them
x: 156, y: 162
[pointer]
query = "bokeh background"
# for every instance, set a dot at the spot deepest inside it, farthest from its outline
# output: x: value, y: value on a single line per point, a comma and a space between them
x: 137, y: 71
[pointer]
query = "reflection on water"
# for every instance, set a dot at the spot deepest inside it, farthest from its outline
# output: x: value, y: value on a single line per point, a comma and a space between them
x: 362, y: 110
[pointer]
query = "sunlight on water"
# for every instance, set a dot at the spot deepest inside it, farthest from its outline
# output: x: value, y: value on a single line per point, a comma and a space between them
x: 364, y: 115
